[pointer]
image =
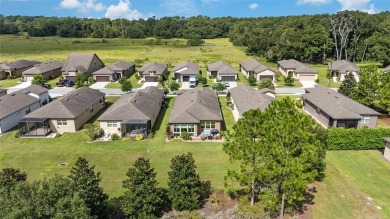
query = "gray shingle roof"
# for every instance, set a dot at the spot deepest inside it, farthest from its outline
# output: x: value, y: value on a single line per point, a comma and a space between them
x: 335, y: 104
x: 343, y: 66
x: 43, y: 67
x: 187, y: 68
x: 195, y: 105
x: 70, y: 106
x: 135, y: 106
x: 387, y: 69
x: 14, y: 102
x: 78, y: 62
x: 255, y: 66
x: 153, y: 66
x: 266, y: 90
x: 35, y: 89
x: 18, y: 64
x: 246, y: 98
x: 222, y: 68
x: 114, y: 67
x: 299, y: 67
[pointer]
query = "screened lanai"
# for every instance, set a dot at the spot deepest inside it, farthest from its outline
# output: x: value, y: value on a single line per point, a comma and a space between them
x: 34, y: 127
x: 133, y: 128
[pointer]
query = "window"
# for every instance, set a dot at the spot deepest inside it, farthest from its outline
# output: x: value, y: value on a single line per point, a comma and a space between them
x: 112, y: 124
x: 366, y: 119
x: 207, y: 124
x: 179, y: 128
x: 62, y: 122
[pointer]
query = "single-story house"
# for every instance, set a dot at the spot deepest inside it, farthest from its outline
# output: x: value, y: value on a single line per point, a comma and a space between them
x: 84, y: 63
x: 333, y: 109
x: 3, y: 92
x: 114, y: 71
x: 245, y: 98
x: 297, y: 70
x: 67, y: 114
x: 133, y: 114
x: 257, y: 69
x: 387, y: 69
x: 222, y: 71
x: 151, y: 71
x: 183, y: 71
x: 341, y: 68
x: 15, y: 105
x: 48, y: 70
x: 386, y: 153
x: 15, y: 68
x: 195, y: 111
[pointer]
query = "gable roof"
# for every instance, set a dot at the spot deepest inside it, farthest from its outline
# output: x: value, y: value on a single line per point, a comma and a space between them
x: 43, y: 67
x: 13, y: 102
x: 387, y: 69
x: 343, y: 66
x: 221, y: 68
x: 79, y: 62
x: 135, y: 106
x: 246, y: 98
x: 70, y: 106
x: 255, y: 66
x: 114, y: 67
x: 35, y: 89
x: 299, y: 67
x: 18, y: 64
x: 335, y: 104
x: 153, y: 66
x: 195, y: 105
x: 187, y: 68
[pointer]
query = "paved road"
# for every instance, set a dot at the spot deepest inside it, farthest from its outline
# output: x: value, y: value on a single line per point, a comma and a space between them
x: 289, y: 90
x: 99, y: 85
x: 59, y: 91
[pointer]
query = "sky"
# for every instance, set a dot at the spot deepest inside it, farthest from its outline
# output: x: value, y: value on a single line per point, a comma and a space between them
x: 136, y: 9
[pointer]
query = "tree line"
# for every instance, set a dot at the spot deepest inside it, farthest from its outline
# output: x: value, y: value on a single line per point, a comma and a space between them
x: 351, y: 35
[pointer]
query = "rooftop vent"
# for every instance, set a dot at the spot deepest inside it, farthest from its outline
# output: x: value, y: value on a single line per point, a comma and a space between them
x: 76, y: 93
x: 12, y: 94
x: 67, y: 99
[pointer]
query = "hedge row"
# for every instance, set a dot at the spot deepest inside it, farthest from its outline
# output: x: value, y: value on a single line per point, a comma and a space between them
x: 357, y: 139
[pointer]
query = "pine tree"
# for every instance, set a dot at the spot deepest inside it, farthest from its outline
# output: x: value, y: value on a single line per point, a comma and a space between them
x: 184, y: 185
x: 86, y: 183
x: 348, y: 87
x: 142, y: 198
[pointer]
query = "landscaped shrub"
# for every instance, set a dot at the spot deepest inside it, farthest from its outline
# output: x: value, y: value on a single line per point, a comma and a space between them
x: 299, y: 104
x: 185, y: 136
x: 125, y: 139
x: 139, y: 137
x: 137, y: 77
x: 356, y: 139
x: 58, y: 135
x: 115, y: 137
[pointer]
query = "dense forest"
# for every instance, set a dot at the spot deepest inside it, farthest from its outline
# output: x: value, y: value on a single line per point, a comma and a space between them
x: 351, y: 35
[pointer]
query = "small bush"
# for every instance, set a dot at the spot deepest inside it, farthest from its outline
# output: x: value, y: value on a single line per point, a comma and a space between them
x: 125, y: 139
x: 139, y: 137
x: 173, y: 78
x: 211, y: 77
x: 137, y: 77
x: 17, y: 134
x: 357, y: 139
x: 115, y: 137
x: 317, y: 80
x: 185, y: 136
x: 299, y: 104
x: 58, y: 135
x: 91, y: 80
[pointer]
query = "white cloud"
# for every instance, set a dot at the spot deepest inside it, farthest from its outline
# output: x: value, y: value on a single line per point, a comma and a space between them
x: 253, y: 6
x: 82, y: 6
x: 123, y: 10
x: 313, y: 2
x: 180, y: 8
x: 358, y: 5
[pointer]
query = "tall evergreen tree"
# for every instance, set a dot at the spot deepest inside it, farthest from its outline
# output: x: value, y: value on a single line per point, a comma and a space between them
x: 348, y: 86
x: 142, y: 198
x: 384, y: 93
x: 368, y: 85
x: 184, y: 185
x: 86, y: 183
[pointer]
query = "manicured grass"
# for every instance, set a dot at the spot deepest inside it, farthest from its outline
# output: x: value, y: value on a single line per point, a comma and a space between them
x: 227, y: 115
x: 352, y: 178
x: 9, y: 82
x: 116, y: 84
x: 294, y: 97
x: 113, y: 85
x: 322, y: 76
x: 280, y: 82
x: 382, y: 124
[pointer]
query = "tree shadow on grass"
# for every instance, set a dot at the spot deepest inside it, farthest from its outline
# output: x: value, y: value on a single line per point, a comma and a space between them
x: 161, y: 116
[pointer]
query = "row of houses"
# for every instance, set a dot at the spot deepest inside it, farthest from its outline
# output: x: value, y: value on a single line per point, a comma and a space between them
x: 91, y: 65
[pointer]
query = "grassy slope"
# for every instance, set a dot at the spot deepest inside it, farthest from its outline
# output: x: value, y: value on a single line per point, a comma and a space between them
x: 9, y: 82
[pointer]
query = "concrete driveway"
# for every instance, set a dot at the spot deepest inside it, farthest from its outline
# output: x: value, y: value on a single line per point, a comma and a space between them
x: 59, y: 91
x: 185, y: 86
x: 149, y: 84
x: 23, y: 85
x: 232, y: 84
x: 307, y: 84
x: 99, y: 85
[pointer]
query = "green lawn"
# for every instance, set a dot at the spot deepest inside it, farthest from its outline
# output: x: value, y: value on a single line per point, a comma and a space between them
x: 9, y: 82
x: 280, y: 82
x: 133, y: 80
x: 352, y: 178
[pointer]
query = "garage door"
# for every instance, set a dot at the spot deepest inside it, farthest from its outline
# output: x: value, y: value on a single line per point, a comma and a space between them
x: 70, y: 78
x: 307, y: 77
x: 186, y: 78
x: 102, y: 78
x: 150, y: 79
x: 228, y: 78
x: 262, y: 77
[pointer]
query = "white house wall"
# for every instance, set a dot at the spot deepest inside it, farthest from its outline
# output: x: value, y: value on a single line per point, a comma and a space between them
x: 12, y: 120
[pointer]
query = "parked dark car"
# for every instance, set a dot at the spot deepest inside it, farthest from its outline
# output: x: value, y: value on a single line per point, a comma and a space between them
x: 47, y: 86
x: 61, y: 83
x: 68, y: 83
